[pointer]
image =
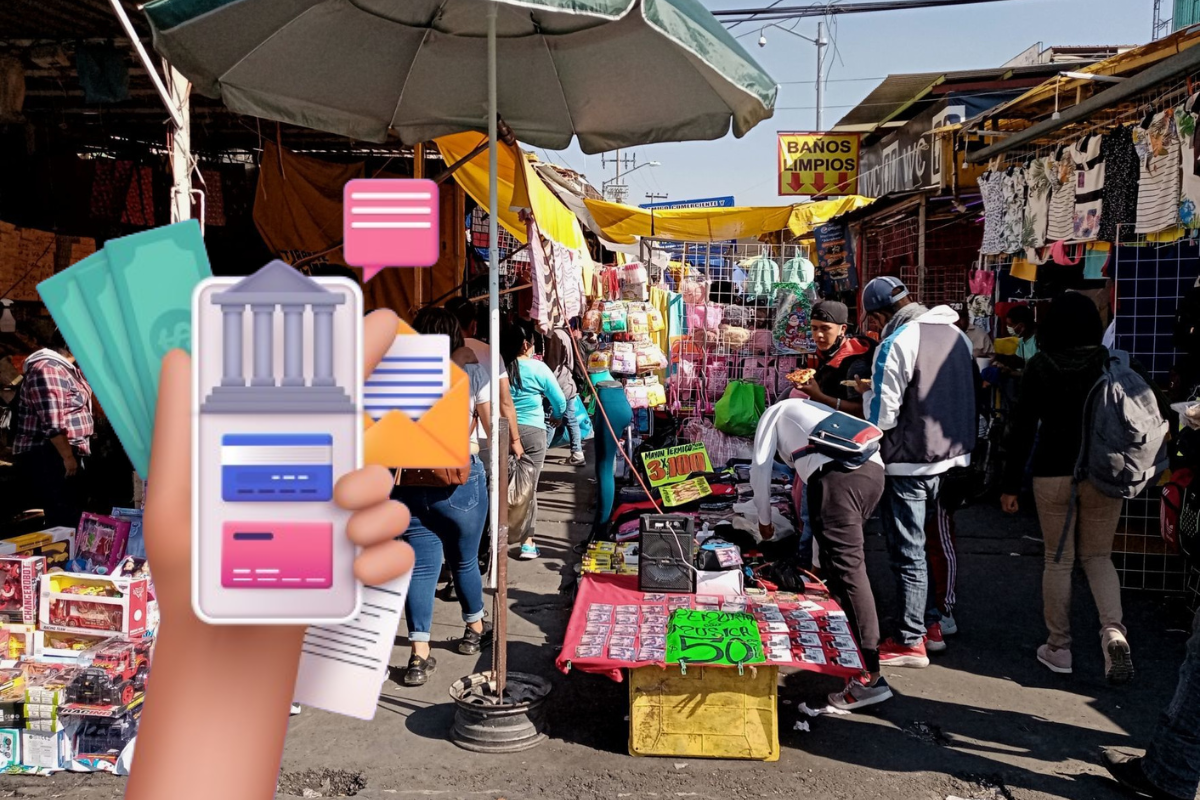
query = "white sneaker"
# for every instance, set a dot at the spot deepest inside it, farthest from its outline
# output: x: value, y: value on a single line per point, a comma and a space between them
x: 295, y: 710
x: 949, y: 626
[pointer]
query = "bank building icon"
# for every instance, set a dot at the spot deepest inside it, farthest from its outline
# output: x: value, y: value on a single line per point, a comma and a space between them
x: 307, y: 309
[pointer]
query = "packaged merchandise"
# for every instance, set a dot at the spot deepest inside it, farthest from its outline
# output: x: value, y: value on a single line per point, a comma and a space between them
x: 99, y: 544
x: 16, y: 640
x: 115, y: 678
x: 90, y: 604
x: 66, y: 648
x: 19, y: 576
x: 57, y: 545
x: 46, y: 750
x: 135, y: 545
x: 615, y: 318
x: 10, y: 748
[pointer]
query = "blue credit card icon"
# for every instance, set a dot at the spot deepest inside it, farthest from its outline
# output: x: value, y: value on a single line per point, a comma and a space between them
x: 276, y: 467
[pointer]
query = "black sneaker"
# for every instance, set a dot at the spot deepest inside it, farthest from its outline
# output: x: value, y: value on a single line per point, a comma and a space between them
x: 1127, y: 771
x: 472, y: 642
x: 419, y: 670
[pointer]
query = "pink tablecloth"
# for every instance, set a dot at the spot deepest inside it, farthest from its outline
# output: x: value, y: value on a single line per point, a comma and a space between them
x: 622, y: 590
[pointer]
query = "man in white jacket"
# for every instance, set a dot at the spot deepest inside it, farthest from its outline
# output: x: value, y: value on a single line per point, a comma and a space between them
x: 922, y: 396
x: 841, y: 497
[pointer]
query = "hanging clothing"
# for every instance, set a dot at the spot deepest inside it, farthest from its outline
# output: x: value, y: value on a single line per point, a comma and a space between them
x: 545, y: 300
x: 1013, y: 187
x: 1120, y: 185
x: 1189, y: 150
x: 1157, y: 145
x: 1061, y: 170
x: 991, y: 187
x: 797, y: 270
x: 1037, y: 204
x: 1089, y: 187
x: 761, y: 275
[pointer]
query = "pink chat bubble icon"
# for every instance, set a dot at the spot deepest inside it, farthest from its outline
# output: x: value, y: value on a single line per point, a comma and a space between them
x: 390, y: 223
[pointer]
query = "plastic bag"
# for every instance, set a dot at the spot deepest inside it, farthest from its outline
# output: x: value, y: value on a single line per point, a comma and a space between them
x: 522, y: 485
x: 740, y: 408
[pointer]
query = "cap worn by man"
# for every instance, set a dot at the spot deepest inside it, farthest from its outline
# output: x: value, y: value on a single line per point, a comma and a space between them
x: 882, y: 293
x: 831, y: 311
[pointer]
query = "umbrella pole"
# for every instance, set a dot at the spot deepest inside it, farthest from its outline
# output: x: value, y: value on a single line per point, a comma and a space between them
x: 500, y: 554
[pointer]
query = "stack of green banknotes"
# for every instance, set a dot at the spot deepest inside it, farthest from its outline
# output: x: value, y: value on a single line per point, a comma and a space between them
x: 121, y: 310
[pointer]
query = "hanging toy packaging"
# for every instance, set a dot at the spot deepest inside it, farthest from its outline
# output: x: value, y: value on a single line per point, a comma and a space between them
x: 615, y: 318
x: 792, y: 329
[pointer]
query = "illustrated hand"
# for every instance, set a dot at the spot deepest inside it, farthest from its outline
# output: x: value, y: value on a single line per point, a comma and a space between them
x: 1009, y: 504
x: 195, y: 664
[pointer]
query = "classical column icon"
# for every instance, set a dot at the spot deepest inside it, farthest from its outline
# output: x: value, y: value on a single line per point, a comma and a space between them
x: 278, y: 288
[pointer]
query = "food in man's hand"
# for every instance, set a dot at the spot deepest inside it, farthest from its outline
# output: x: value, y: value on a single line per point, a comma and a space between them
x: 852, y: 383
x: 801, y: 376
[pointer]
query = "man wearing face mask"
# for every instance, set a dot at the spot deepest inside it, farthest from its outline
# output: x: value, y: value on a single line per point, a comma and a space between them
x: 841, y: 356
x: 1021, y: 324
x: 922, y: 396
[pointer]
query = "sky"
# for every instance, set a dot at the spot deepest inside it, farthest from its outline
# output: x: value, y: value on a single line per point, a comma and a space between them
x: 868, y: 48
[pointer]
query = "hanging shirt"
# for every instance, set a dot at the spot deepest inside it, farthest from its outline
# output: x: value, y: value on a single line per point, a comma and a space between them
x: 1189, y: 151
x: 1013, y: 188
x: 1037, y: 204
x: 1061, y: 171
x: 1157, y: 145
x: 1120, y: 185
x: 991, y: 188
x: 1089, y: 187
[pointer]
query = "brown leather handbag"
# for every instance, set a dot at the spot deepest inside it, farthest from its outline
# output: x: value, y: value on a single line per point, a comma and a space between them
x: 438, y: 478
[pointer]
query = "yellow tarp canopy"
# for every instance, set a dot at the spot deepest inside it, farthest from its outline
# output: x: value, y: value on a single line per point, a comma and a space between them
x: 621, y: 223
x: 518, y: 187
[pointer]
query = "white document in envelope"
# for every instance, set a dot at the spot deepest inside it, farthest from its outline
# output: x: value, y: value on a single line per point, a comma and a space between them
x: 343, y: 667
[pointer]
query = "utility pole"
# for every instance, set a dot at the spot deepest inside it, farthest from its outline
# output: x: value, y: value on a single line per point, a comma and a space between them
x: 654, y: 197
x: 1161, y: 26
x: 618, y: 190
x: 821, y: 43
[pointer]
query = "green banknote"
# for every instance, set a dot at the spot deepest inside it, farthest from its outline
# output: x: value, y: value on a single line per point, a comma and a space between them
x: 154, y: 273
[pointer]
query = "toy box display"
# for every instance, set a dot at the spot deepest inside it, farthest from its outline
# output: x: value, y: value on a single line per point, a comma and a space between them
x: 19, y: 576
x: 45, y: 693
x: 10, y: 747
x: 116, y: 676
x: 91, y: 604
x: 56, y: 545
x: 98, y: 743
x: 45, y: 750
x: 66, y: 648
x: 15, y: 641
x: 99, y: 544
x: 135, y: 545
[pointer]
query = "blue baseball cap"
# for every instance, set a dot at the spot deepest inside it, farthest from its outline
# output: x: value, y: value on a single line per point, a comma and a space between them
x: 877, y: 294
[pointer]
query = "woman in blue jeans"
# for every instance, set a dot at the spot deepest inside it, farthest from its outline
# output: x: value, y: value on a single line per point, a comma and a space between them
x: 447, y: 523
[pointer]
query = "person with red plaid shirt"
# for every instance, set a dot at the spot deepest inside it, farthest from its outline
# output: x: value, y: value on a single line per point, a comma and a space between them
x: 54, y: 427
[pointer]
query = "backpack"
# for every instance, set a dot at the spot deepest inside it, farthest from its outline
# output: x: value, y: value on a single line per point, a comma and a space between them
x: 1179, y: 514
x: 848, y: 440
x: 1124, y: 437
x: 1124, y: 433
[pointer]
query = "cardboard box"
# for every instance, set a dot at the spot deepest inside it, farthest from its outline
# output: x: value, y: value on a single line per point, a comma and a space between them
x: 10, y: 747
x: 93, y: 604
x: 100, y: 543
x: 19, y: 576
x: 57, y: 545
x: 16, y: 642
x: 46, y: 750
x: 65, y: 648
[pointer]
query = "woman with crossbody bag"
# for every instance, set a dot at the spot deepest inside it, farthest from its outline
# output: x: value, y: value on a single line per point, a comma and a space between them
x: 449, y: 508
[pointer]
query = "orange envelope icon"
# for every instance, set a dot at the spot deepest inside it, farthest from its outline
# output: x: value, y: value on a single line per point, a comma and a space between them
x: 440, y: 439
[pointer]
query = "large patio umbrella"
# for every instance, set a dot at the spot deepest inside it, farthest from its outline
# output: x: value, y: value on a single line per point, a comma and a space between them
x: 612, y: 73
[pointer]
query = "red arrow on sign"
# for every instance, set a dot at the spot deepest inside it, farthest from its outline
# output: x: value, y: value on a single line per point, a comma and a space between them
x: 819, y: 182
x: 794, y: 182
x: 843, y: 180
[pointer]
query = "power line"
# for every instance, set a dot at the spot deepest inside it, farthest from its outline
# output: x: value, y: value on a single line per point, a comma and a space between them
x: 794, y: 12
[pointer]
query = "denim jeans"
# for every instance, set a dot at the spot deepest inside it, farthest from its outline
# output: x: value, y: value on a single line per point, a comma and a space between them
x: 572, y: 423
x: 1172, y: 761
x: 804, y: 542
x: 908, y: 502
x: 446, y: 523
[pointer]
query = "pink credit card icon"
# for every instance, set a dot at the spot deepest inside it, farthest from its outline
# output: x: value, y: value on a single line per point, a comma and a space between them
x: 277, y: 555
x: 390, y: 223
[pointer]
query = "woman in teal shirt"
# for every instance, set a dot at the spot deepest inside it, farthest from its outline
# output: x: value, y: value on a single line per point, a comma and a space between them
x: 532, y: 383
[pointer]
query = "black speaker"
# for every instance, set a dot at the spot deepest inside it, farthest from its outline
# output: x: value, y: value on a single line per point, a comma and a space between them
x: 667, y: 550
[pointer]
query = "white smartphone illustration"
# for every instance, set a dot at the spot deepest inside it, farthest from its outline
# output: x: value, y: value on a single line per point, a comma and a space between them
x: 276, y: 421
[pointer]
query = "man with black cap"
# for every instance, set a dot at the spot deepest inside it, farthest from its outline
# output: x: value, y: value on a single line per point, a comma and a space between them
x: 840, y: 357
x: 922, y: 395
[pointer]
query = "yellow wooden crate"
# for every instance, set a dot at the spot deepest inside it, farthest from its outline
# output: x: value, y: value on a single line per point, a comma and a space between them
x: 710, y: 712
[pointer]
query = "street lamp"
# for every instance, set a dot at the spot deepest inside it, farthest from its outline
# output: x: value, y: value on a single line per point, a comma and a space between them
x: 820, y: 42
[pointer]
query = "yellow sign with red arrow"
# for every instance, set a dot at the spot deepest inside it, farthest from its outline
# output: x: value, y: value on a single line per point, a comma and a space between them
x: 818, y: 164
